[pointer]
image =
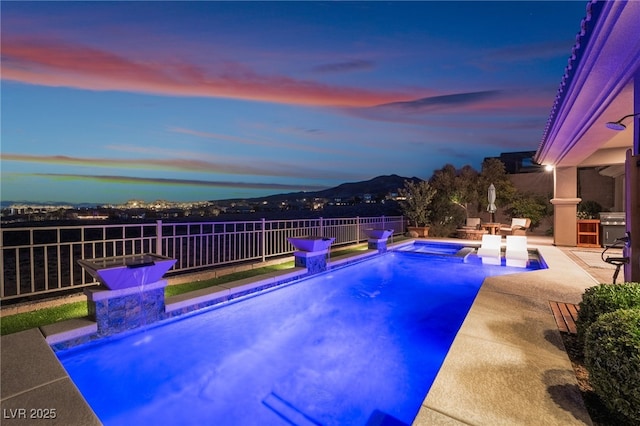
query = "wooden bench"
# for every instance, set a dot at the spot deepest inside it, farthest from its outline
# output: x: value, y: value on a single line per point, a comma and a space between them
x: 565, y: 315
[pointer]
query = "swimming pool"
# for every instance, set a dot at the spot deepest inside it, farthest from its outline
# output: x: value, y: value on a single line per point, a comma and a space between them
x: 343, y: 347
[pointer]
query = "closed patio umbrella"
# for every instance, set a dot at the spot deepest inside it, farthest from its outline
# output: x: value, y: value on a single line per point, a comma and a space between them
x: 491, y: 196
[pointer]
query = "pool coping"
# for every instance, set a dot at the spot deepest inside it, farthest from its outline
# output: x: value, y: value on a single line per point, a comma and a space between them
x: 531, y: 376
x: 508, y: 364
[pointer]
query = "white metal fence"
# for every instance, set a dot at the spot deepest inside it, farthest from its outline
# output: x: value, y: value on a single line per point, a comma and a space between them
x: 39, y: 260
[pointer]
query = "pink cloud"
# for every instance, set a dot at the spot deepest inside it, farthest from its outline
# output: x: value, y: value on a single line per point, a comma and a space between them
x: 467, y: 107
x: 58, y: 64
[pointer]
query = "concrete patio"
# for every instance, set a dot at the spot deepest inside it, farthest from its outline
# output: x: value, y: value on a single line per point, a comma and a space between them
x: 507, y: 365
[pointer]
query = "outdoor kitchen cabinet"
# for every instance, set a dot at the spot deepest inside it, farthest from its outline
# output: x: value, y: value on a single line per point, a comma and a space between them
x: 589, y: 233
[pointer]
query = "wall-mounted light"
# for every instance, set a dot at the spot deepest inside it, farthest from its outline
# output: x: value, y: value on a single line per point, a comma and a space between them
x: 548, y: 168
x: 617, y: 125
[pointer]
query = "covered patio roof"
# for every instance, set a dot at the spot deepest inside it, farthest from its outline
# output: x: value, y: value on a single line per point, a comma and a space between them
x: 601, y: 84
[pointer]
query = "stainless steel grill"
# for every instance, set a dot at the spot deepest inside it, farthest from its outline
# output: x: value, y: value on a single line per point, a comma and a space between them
x: 613, y: 226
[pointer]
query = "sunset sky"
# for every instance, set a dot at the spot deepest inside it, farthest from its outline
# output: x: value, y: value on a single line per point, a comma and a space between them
x: 103, y: 102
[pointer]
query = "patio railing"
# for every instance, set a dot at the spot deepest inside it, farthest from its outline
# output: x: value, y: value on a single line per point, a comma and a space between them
x: 40, y: 260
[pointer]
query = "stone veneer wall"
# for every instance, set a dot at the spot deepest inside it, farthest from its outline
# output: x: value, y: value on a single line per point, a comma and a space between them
x: 314, y: 263
x: 130, y: 311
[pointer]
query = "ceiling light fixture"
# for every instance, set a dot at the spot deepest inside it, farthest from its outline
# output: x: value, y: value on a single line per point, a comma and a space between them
x: 617, y: 125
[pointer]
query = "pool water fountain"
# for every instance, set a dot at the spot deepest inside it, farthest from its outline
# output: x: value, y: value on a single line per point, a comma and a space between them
x: 132, y: 291
x: 378, y: 238
x: 311, y: 252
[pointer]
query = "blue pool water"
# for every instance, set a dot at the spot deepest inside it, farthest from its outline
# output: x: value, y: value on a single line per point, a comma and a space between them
x: 341, y: 348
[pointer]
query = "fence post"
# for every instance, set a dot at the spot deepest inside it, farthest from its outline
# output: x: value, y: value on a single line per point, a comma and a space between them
x: 321, y: 227
x: 357, y: 229
x: 159, y: 237
x: 264, y: 239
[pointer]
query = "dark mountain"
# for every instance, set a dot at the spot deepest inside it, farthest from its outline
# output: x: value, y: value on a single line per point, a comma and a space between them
x: 378, y: 186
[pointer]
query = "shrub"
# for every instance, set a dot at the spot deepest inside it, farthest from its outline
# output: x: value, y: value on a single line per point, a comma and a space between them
x: 602, y: 299
x: 612, y: 357
x: 588, y: 209
x: 442, y: 229
x: 535, y: 207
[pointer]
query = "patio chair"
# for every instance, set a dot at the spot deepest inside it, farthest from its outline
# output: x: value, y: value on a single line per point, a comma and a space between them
x: 472, y: 223
x: 489, y: 251
x: 516, y: 252
x: 519, y: 226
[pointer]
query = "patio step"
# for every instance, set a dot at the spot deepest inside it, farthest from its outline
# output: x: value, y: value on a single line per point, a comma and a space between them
x: 565, y: 315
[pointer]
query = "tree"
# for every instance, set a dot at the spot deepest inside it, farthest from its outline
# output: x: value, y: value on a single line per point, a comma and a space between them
x: 456, y: 194
x: 417, y: 199
x: 494, y: 172
x: 465, y: 189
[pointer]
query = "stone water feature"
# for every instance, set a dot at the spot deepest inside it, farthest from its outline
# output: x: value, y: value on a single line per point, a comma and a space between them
x: 378, y: 238
x: 132, y: 291
x: 311, y: 252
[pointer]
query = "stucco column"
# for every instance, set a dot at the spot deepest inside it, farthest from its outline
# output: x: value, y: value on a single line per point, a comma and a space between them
x: 565, y: 206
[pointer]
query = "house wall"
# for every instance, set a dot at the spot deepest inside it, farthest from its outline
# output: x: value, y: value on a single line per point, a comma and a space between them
x: 592, y: 186
x: 535, y: 183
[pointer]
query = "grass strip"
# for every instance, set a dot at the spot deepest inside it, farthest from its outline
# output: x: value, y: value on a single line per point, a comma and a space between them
x: 26, y: 320
x: 174, y: 290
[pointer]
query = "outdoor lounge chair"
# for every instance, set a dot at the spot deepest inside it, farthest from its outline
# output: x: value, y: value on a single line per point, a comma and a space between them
x: 489, y: 251
x: 519, y: 226
x: 516, y: 252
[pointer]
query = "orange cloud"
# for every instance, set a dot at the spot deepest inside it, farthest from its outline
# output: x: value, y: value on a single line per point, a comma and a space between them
x: 181, y: 182
x: 178, y: 164
x: 263, y: 168
x: 58, y: 64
